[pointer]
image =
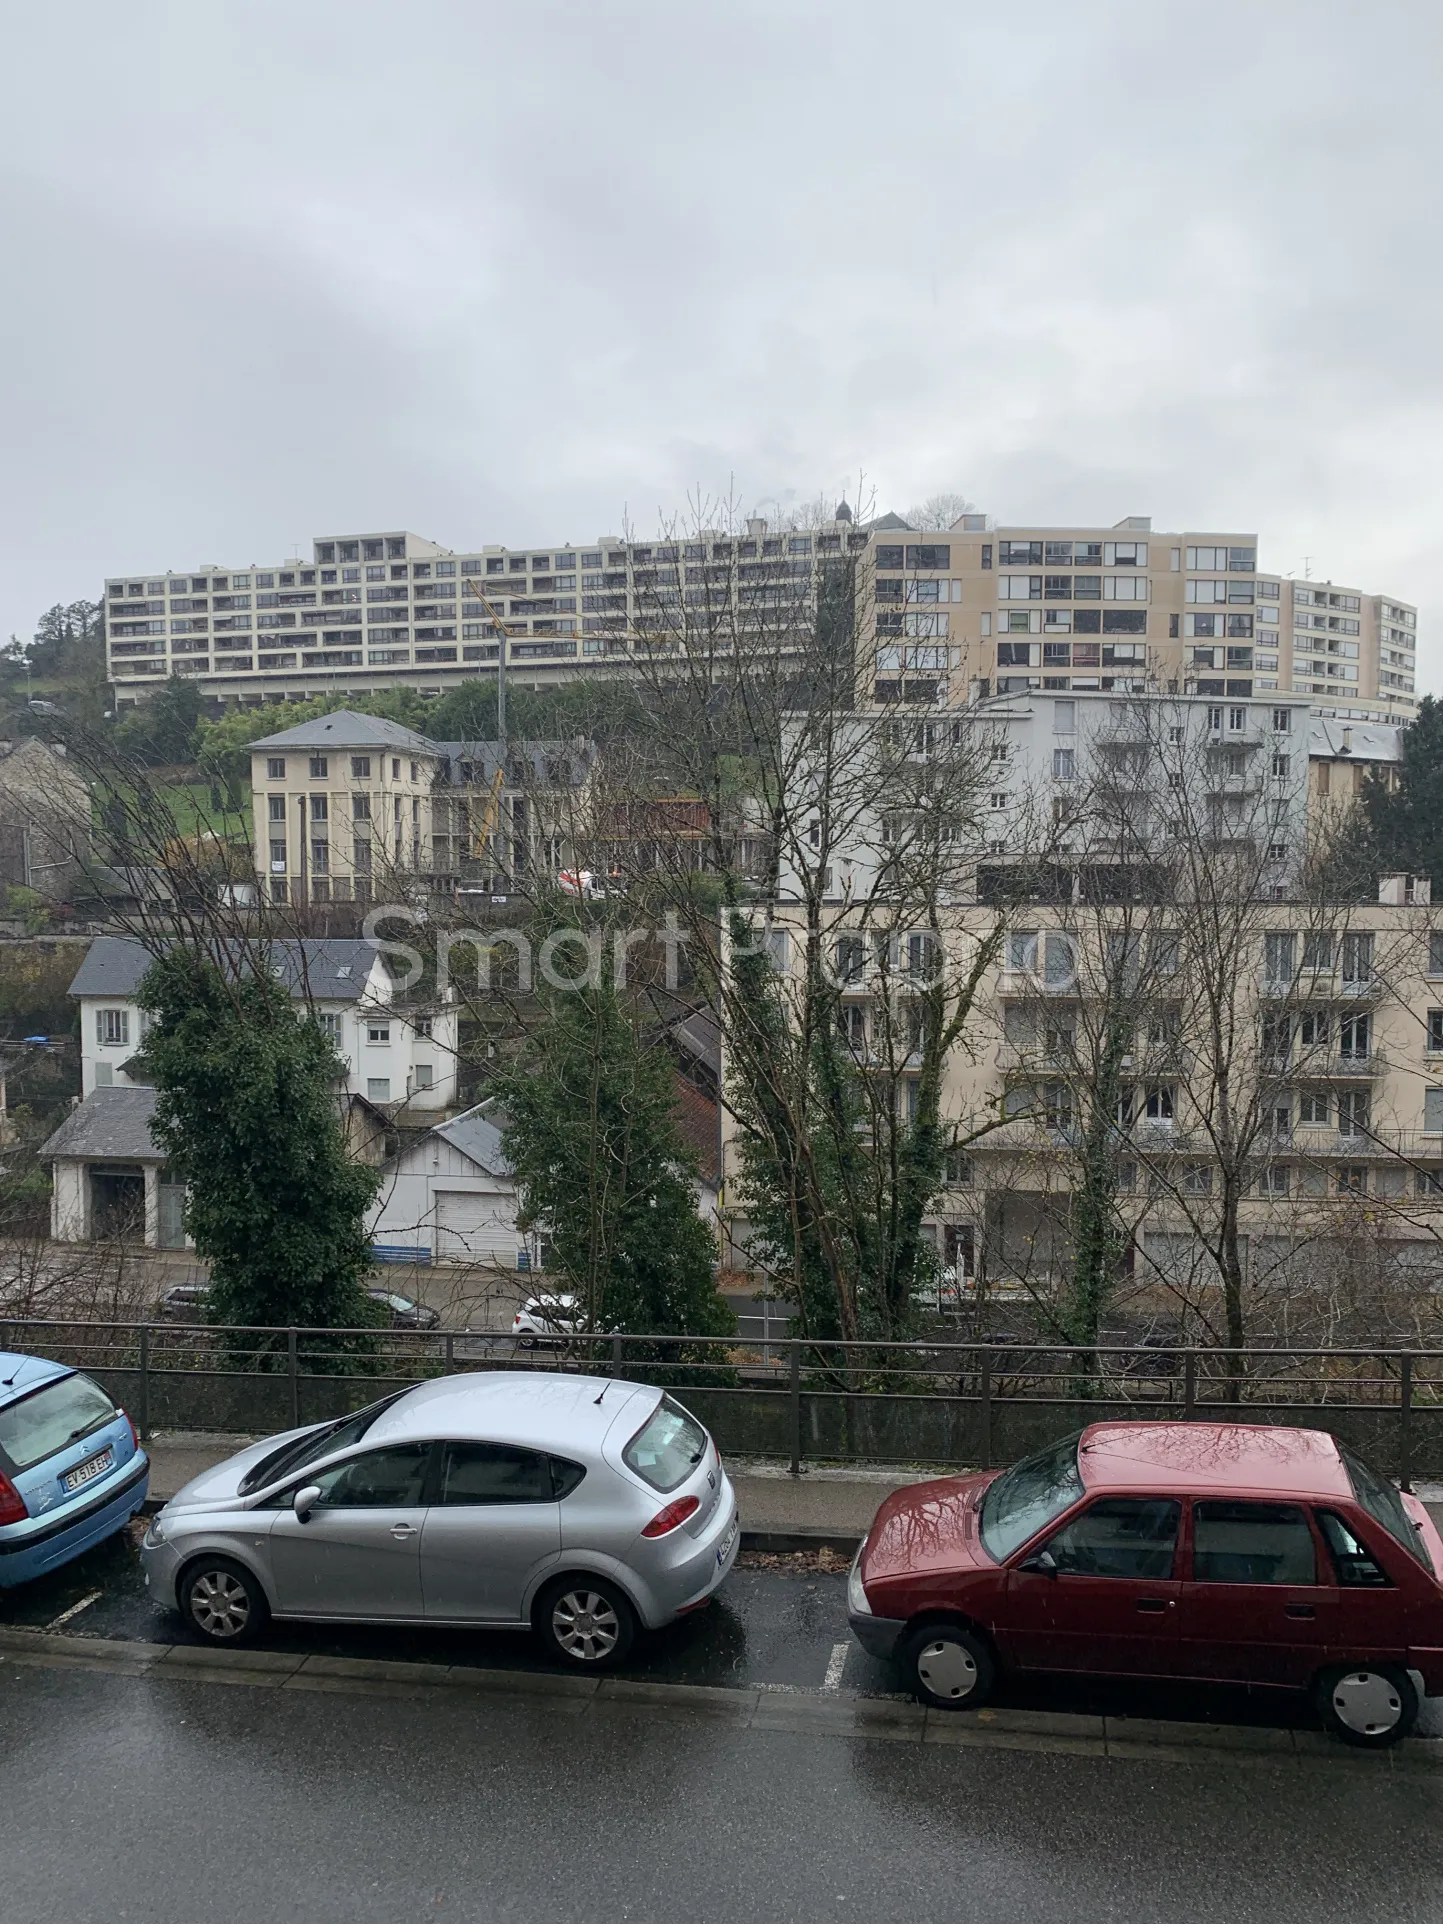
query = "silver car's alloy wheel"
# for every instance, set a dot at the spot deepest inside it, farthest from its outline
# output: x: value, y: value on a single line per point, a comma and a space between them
x: 1367, y: 1702
x: 947, y: 1669
x: 585, y: 1625
x: 219, y: 1604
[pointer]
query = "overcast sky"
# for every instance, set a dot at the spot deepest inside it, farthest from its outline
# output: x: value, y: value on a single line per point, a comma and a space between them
x: 527, y: 273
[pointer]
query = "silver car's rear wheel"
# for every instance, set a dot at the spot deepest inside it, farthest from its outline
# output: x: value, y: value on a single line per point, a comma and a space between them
x: 222, y: 1601
x: 587, y: 1622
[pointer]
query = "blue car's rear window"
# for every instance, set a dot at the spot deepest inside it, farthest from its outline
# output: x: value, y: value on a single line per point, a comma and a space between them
x: 48, y: 1419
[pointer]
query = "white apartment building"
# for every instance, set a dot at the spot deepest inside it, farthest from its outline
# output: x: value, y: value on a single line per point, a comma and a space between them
x: 942, y: 615
x: 393, y: 1055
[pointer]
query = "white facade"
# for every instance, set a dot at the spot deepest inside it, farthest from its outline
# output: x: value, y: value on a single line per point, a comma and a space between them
x: 450, y: 1197
x: 392, y: 1054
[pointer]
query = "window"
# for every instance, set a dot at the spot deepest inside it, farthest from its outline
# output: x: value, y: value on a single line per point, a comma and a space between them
x: 1356, y: 1569
x: 112, y: 1028
x: 1435, y: 1030
x: 1281, y: 766
x: 1355, y: 1037
x: 320, y: 808
x: 361, y: 768
x: 1026, y: 1498
x: 1383, y: 1503
x: 1124, y: 621
x: 1273, y: 1181
x: 667, y: 1447
x: 1318, y: 952
x: 320, y: 857
x: 392, y: 1479
x: 1278, y: 958
x: 1064, y: 764
x: 425, y: 1075
x: 320, y: 768
x: 1252, y: 1543
x: 1064, y: 717
x: 1057, y: 1105
x: 1022, y: 951
x: 378, y: 1088
x: 1354, y: 1107
x: 1127, y: 1537
x: 278, y: 856
x: 1433, y: 1112
x: 1020, y: 553
x: 1435, y: 955
x: 1357, y: 959
x: 379, y: 1032
x: 331, y: 1028
x: 276, y: 768
x: 1157, y: 1106
x: 1314, y: 1106
x: 276, y: 808
x: 494, y: 1473
x: 45, y: 1421
x: 360, y: 808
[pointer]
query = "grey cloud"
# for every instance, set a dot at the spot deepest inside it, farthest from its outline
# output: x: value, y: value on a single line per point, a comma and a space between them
x: 504, y: 272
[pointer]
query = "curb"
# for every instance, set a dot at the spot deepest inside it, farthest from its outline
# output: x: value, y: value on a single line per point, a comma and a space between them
x: 763, y: 1707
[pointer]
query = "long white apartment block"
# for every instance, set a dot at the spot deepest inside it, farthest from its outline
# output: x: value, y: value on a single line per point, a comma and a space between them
x: 943, y: 617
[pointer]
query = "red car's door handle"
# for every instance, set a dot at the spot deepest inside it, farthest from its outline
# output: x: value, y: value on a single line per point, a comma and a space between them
x: 1299, y: 1610
x: 1154, y: 1606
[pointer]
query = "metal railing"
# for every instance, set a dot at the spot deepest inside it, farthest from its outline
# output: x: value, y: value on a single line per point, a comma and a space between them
x: 769, y: 1393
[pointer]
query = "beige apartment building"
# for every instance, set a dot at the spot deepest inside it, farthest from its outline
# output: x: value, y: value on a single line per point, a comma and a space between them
x: 1343, y: 1077
x: 991, y: 609
x: 942, y: 615
x: 352, y: 808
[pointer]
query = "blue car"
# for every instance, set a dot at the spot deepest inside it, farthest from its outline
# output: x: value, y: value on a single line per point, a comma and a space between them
x: 72, y: 1471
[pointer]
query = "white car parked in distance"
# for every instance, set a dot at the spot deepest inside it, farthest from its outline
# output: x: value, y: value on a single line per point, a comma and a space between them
x: 547, y: 1319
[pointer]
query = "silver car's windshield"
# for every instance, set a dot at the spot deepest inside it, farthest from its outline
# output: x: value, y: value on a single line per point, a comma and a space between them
x: 306, y: 1449
x: 1028, y: 1496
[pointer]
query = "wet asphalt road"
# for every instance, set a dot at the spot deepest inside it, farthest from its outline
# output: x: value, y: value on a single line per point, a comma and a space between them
x: 779, y: 1625
x: 129, y: 1799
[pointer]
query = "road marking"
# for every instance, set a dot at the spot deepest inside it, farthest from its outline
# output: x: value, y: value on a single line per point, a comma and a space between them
x: 836, y: 1664
x: 75, y: 1610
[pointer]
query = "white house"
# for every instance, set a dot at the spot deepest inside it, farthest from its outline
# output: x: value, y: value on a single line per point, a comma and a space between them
x: 450, y: 1197
x: 395, y: 1055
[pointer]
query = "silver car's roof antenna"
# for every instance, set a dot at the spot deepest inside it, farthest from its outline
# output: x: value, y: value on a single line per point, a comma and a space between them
x: 604, y: 1388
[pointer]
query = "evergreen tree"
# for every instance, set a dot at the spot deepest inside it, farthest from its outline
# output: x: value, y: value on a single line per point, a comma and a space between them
x: 1405, y: 823
x: 247, y: 1117
x: 591, y: 1133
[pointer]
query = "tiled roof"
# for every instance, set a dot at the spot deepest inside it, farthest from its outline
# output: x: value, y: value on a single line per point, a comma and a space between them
x: 346, y: 729
x: 111, y: 1125
x: 334, y: 970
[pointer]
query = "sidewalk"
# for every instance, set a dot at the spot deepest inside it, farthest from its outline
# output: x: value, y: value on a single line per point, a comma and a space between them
x: 778, y: 1511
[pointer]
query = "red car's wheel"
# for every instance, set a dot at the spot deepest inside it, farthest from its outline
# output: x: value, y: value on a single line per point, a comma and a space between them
x: 948, y: 1666
x: 1371, y: 1705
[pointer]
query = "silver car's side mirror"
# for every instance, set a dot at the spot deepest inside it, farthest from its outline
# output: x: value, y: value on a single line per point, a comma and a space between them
x: 305, y: 1500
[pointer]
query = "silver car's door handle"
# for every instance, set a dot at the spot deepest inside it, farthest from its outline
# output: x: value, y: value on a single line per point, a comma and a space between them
x: 400, y: 1531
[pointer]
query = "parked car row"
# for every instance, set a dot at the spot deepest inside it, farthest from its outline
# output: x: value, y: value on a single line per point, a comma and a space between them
x: 586, y: 1509
x: 187, y: 1303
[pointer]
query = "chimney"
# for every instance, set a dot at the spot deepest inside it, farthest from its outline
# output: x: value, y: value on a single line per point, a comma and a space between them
x: 756, y: 528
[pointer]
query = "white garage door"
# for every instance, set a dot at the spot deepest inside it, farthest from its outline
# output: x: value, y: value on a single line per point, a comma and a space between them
x: 471, y: 1228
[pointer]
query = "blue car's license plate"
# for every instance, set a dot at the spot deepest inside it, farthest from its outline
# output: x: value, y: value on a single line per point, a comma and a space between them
x: 86, y: 1472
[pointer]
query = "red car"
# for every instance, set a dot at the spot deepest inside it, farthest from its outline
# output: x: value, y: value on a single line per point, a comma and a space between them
x: 1216, y: 1551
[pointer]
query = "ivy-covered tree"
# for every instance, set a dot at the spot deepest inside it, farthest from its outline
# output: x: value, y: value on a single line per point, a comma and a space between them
x: 1405, y: 820
x: 591, y: 1132
x: 246, y: 1114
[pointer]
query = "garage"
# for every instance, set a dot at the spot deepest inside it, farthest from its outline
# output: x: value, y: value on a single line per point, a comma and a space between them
x: 475, y: 1228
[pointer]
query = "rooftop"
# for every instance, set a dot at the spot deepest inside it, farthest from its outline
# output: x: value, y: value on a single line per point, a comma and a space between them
x: 1212, y: 1456
x: 510, y: 1406
x: 333, y: 970
x: 111, y: 1125
x: 346, y: 729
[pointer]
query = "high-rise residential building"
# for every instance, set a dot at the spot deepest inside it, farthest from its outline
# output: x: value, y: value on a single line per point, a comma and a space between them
x: 943, y: 616
x: 987, y: 609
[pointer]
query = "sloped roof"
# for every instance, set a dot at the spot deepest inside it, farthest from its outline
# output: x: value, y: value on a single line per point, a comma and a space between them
x: 334, y: 970
x: 1367, y: 741
x: 698, y: 1122
x: 111, y: 1125
x: 477, y: 1134
x: 347, y: 729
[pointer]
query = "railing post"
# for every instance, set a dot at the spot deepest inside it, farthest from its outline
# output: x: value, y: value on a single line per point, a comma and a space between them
x: 984, y: 1406
x: 796, y: 1403
x: 1405, y: 1423
x: 450, y: 1352
x: 616, y: 1354
x: 294, y: 1363
x: 145, y: 1382
x: 1189, y: 1384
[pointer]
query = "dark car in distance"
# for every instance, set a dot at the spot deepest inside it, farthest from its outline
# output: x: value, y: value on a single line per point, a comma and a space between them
x: 1214, y: 1552
x: 403, y: 1312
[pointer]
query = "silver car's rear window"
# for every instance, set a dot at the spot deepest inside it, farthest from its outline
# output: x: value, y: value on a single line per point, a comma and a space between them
x: 667, y: 1447
x: 44, y: 1422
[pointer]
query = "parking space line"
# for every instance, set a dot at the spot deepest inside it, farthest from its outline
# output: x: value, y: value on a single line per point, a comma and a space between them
x: 75, y: 1610
x: 836, y: 1664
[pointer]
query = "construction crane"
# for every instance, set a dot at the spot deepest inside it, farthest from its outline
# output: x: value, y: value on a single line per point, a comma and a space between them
x: 491, y: 813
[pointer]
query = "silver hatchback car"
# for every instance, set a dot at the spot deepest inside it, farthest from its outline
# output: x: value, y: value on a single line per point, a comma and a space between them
x: 577, y: 1506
